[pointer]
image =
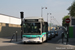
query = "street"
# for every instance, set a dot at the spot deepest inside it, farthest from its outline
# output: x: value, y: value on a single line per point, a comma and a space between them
x: 50, y: 45
x: 37, y: 25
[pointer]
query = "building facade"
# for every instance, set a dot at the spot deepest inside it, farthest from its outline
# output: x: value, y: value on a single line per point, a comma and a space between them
x: 72, y: 27
x: 9, y: 25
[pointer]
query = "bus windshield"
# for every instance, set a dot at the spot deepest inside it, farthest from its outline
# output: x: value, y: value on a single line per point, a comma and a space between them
x: 31, y: 28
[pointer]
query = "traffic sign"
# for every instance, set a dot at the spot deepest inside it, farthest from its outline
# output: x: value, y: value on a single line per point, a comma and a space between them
x: 67, y: 20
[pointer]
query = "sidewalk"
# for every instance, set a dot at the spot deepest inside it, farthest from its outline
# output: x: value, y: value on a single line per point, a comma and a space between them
x: 6, y: 41
x: 71, y: 42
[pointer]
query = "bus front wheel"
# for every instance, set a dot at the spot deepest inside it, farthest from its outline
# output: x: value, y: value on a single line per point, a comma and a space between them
x: 24, y: 42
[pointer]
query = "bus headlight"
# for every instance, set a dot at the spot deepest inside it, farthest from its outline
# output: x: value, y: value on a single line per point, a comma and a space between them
x: 39, y: 37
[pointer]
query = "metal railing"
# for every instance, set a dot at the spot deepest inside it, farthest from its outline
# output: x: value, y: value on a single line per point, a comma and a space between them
x: 65, y: 36
x: 13, y: 36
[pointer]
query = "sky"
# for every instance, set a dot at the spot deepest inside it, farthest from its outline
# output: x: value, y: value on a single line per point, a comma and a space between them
x: 57, y: 8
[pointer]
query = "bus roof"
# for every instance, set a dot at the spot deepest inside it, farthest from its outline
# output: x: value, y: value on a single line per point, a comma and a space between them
x: 33, y: 17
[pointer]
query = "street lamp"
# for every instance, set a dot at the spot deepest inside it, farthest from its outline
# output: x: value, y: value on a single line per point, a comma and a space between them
x: 47, y: 17
x: 50, y: 21
x: 42, y: 10
x: 52, y: 17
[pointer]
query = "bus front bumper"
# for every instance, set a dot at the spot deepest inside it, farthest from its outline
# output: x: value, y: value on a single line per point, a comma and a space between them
x: 37, y: 40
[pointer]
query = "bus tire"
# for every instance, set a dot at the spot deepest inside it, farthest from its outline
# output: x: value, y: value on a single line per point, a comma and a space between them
x: 24, y: 42
x: 57, y: 34
x: 49, y: 39
x: 54, y: 36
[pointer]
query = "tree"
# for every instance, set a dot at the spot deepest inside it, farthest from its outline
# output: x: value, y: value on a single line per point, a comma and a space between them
x: 63, y: 20
x: 72, y: 9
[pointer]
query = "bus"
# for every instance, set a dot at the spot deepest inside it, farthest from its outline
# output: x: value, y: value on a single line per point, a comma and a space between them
x: 35, y: 29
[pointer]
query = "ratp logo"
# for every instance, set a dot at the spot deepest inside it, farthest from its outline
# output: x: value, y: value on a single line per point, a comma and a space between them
x: 44, y: 34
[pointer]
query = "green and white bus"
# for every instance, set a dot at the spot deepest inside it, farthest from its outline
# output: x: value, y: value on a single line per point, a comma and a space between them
x: 35, y: 29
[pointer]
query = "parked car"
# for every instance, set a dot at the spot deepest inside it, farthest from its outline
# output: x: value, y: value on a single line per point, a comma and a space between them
x: 49, y: 35
x: 52, y: 32
x: 56, y: 32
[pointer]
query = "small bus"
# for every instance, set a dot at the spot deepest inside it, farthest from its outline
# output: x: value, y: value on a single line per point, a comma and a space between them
x: 35, y: 29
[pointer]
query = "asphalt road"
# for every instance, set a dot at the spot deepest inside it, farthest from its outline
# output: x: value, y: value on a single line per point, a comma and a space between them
x: 50, y: 45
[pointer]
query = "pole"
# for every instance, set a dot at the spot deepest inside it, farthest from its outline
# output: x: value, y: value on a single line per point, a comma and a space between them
x: 67, y: 33
x: 22, y: 16
x: 21, y: 28
x: 47, y: 17
x: 41, y: 12
x: 50, y: 23
x: 62, y: 37
x: 12, y: 37
x: 21, y: 32
x: 51, y: 19
x: 16, y: 36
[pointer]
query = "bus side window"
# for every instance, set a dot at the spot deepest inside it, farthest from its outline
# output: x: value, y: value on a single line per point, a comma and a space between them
x: 46, y: 27
x: 43, y: 28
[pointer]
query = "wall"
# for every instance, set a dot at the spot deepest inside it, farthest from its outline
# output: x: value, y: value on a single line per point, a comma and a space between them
x: 7, y: 30
x: 70, y: 24
x: 71, y: 28
x: 71, y: 32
